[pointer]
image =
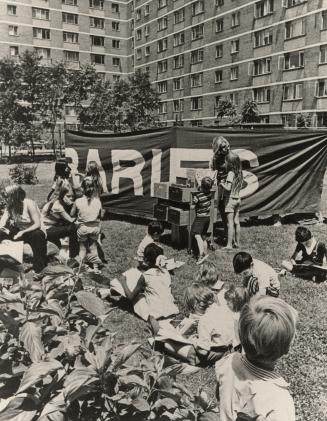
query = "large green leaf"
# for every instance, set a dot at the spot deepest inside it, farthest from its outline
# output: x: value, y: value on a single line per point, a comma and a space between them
x: 80, y: 382
x: 54, y: 410
x: 90, y: 302
x: 37, y: 372
x: 9, y: 322
x: 30, y: 335
x: 141, y: 405
x: 133, y: 379
x: 17, y: 408
x: 124, y: 355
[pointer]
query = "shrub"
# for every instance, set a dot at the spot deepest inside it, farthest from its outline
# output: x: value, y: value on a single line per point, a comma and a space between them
x: 23, y: 174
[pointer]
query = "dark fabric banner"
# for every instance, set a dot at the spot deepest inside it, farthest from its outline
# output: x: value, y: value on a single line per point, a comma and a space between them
x: 283, y: 170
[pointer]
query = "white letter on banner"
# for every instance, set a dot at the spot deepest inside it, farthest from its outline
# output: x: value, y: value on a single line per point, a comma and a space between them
x: 134, y: 173
x: 71, y: 153
x: 155, y: 168
x: 93, y: 155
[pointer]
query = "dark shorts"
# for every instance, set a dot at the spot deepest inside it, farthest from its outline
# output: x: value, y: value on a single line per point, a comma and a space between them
x: 200, y: 225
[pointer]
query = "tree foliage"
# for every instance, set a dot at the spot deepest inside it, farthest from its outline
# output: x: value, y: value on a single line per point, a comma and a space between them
x: 227, y: 111
x: 249, y: 111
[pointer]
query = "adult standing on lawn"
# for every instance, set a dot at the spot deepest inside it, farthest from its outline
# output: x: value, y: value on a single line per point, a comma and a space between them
x: 221, y: 150
x: 21, y: 221
x: 58, y: 222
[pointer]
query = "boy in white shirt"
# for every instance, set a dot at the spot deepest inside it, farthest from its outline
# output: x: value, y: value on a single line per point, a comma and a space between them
x: 248, y: 384
x: 154, y: 231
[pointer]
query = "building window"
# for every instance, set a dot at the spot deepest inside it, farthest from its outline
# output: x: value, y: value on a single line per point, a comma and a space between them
x: 197, y: 8
x: 196, y: 80
x: 116, y: 61
x: 233, y: 96
x: 178, y: 84
x: 235, y: 46
x: 71, y: 55
x: 115, y: 26
x: 162, y: 45
x: 147, y: 51
x: 261, y: 95
x: 263, y: 8
x: 218, y: 76
x: 292, y: 91
x: 197, y: 32
x: 41, y: 33
x: 97, y: 23
x: 162, y: 3
x: 179, y: 39
x: 146, y: 30
x: 11, y: 10
x: 115, y: 43
x: 219, y: 51
x: 324, y: 20
x: 43, y: 53
x: 97, y: 59
x: 40, y: 13
x: 197, y: 56
x: 70, y: 2
x: 179, y: 16
x: 138, y: 54
x: 235, y: 19
x: 291, y: 3
x: 262, y: 38
x: 219, y: 3
x: 114, y: 7
x: 96, y: 4
x: 138, y: 14
x: 138, y: 34
x: 178, y: 61
x: 262, y: 66
x: 146, y: 10
x: 234, y: 73
x: 97, y: 41
x: 70, y: 18
x: 162, y: 87
x: 71, y: 37
x: 162, y: 108
x: 116, y: 78
x: 323, y: 54
x: 196, y: 103
x: 196, y: 123
x: 295, y: 28
x: 178, y: 105
x: 132, y: 25
x: 13, y: 30
x: 13, y: 51
x: 162, y: 23
x: 219, y: 25
x: 162, y: 66
x: 293, y: 60
x: 132, y: 42
x: 321, y: 88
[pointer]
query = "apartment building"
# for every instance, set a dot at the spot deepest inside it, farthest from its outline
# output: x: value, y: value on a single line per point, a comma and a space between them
x: 274, y: 51
x: 196, y: 52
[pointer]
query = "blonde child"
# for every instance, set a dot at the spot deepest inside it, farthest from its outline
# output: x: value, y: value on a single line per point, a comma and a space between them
x: 88, y: 209
x: 208, y: 276
x: 232, y: 200
x: 248, y: 385
x: 92, y: 171
x: 202, y: 201
x: 155, y: 230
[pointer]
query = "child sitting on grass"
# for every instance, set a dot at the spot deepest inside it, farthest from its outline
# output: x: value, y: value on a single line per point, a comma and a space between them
x: 208, y: 276
x: 248, y: 386
x: 202, y: 201
x: 88, y: 211
x: 257, y: 276
x: 152, y: 294
x: 155, y: 230
x: 312, y: 253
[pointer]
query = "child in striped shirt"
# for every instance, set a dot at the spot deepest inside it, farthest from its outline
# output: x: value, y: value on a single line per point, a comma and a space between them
x: 202, y: 201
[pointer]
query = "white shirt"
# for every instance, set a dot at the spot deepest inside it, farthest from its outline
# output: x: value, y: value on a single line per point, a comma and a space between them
x: 145, y: 242
x: 267, y: 276
x: 243, y: 387
x: 88, y: 210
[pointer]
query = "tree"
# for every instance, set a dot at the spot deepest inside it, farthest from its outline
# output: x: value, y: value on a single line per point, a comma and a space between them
x: 250, y: 112
x: 227, y: 111
x: 303, y: 120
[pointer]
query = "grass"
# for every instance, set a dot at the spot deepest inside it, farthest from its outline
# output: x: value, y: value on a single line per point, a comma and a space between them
x: 304, y: 367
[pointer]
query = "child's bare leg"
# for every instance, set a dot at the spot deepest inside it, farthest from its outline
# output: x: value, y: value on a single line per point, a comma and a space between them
x: 237, y: 228
x: 200, y: 244
x: 230, y: 229
x: 205, y: 244
x: 82, y: 251
x: 94, y: 253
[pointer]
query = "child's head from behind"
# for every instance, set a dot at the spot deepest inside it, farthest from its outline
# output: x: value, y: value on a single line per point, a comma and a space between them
x: 267, y: 327
x: 207, y: 275
x: 92, y: 169
x: 155, y: 229
x: 234, y: 163
x: 151, y: 253
x: 198, y: 298
x: 302, y: 234
x: 220, y: 145
x: 236, y: 298
x: 206, y: 184
x: 243, y: 264
x: 88, y: 187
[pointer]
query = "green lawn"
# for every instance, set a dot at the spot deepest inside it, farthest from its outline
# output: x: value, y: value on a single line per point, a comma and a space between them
x: 305, y: 367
